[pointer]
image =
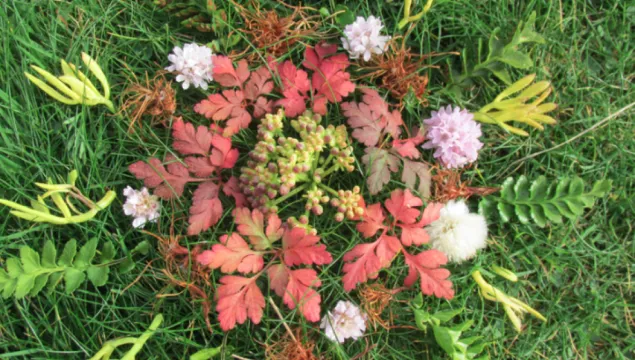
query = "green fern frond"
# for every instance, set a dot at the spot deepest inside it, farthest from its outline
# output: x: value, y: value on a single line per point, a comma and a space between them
x: 542, y: 202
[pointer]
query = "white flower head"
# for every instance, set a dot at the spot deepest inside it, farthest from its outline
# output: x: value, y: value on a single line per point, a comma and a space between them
x: 193, y: 65
x: 458, y: 233
x: 345, y: 321
x: 362, y: 38
x: 141, y: 205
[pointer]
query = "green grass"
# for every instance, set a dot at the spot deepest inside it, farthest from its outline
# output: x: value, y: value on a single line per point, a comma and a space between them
x: 578, y: 274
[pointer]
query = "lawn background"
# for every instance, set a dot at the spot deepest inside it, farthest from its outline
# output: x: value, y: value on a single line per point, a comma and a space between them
x: 578, y: 274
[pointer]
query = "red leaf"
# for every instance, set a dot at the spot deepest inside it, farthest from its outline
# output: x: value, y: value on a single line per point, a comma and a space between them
x: 278, y: 278
x: 226, y: 75
x: 301, y: 292
x: 262, y: 106
x: 314, y: 58
x: 237, y: 299
x: 229, y: 106
x: 295, y: 85
x: 251, y: 224
x: 206, y: 208
x: 258, y: 84
x: 223, y: 155
x: 233, y: 253
x: 231, y: 188
x: 200, y: 166
x: 402, y: 206
x: 332, y: 83
x: 365, y: 261
x: 167, y: 183
x: 415, y: 233
x: 426, y: 267
x: 372, y: 118
x: 302, y: 248
x: 373, y: 220
x: 408, y: 147
x: 188, y: 140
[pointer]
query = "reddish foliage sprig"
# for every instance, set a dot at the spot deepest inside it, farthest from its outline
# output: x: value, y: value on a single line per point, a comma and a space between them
x: 329, y: 82
x: 404, y: 228
x: 207, y: 154
x: 374, y: 124
x: 257, y: 237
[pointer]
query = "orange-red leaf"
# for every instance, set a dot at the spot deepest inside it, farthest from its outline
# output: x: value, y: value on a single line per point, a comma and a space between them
x: 188, y: 140
x: 301, y: 292
x: 278, y: 278
x: 233, y: 253
x: 372, y: 221
x: 402, y: 205
x: 238, y: 298
x: 231, y: 188
x: 226, y: 75
x: 200, y: 166
x: 206, y: 208
x: 252, y: 225
x: 167, y: 184
x: 299, y: 247
x: 432, y: 278
x: 365, y: 261
x: 223, y: 156
x: 371, y: 118
x: 226, y: 106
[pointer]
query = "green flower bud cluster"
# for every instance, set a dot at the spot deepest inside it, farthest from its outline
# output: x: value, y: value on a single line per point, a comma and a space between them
x: 349, y: 204
x: 281, y: 166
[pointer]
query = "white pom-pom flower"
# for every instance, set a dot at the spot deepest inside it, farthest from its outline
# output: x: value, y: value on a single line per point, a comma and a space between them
x: 193, y: 65
x: 362, y: 38
x: 345, y: 321
x: 458, y: 233
x: 141, y: 205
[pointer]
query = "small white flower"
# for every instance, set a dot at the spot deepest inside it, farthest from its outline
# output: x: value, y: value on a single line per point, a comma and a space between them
x: 363, y: 38
x: 141, y: 205
x: 193, y: 65
x: 345, y: 321
x: 457, y: 233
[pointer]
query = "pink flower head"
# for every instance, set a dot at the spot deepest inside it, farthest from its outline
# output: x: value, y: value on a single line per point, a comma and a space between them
x: 454, y: 134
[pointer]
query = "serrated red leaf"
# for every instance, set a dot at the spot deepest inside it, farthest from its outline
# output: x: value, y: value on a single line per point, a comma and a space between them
x: 301, y: 292
x: 252, y: 225
x: 223, y: 156
x: 295, y: 85
x: 402, y: 205
x: 238, y: 298
x: 188, y: 140
x: 365, y: 261
x: 232, y: 188
x: 331, y: 83
x: 299, y: 247
x: 432, y: 278
x: 316, y: 57
x: 371, y: 118
x: 278, y: 278
x: 226, y: 75
x: 230, y: 106
x: 200, y: 166
x: 233, y: 253
x: 415, y: 233
x: 408, y: 147
x: 372, y: 221
x: 167, y: 184
x: 206, y: 208
x: 259, y: 84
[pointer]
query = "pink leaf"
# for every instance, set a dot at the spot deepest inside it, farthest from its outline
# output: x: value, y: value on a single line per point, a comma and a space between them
x: 301, y: 292
x: 231, y: 188
x: 432, y: 278
x: 238, y: 298
x: 168, y: 183
x: 365, y: 261
x: 372, y: 221
x: 302, y: 248
x: 206, y: 208
x: 251, y: 224
x: 233, y: 253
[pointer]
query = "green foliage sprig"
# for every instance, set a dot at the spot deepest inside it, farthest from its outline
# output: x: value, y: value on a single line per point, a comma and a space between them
x: 541, y: 202
x: 29, y: 274
x: 505, y: 109
x: 40, y: 212
x: 73, y: 87
x: 500, y: 54
x: 202, y: 15
x: 137, y: 343
x: 448, y: 337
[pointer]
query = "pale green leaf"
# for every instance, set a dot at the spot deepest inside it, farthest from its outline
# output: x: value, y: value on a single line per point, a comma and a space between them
x: 24, y: 285
x: 40, y: 283
x: 73, y: 278
x: 98, y: 275
x: 49, y: 253
x: 30, y: 260
x: 86, y: 254
x: 69, y: 252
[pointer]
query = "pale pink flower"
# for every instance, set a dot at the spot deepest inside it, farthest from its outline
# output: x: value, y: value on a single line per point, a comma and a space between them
x: 362, y: 38
x: 345, y: 321
x: 141, y: 205
x: 454, y: 134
